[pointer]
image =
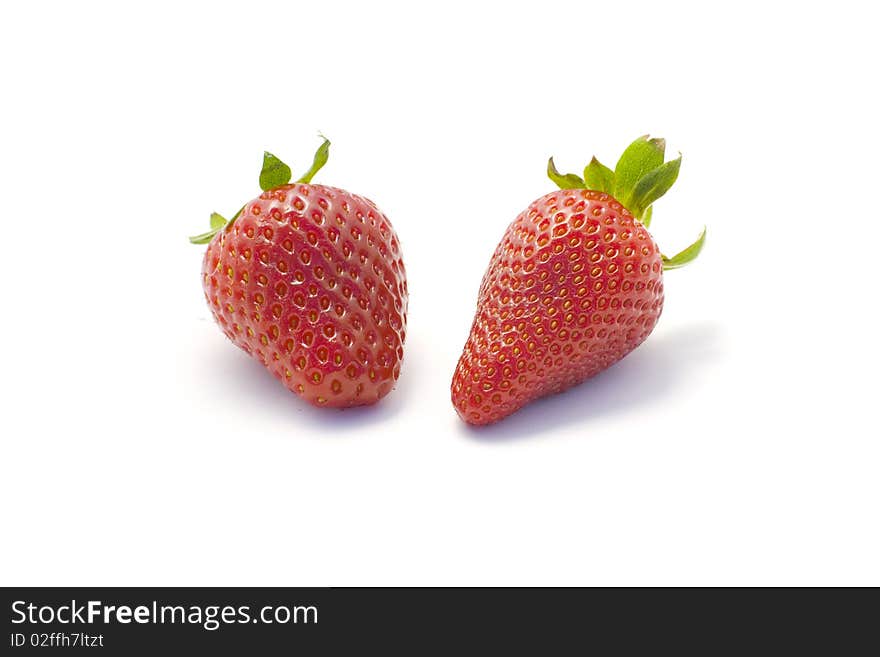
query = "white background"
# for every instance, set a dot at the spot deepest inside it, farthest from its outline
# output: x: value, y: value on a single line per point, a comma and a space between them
x: 737, y: 446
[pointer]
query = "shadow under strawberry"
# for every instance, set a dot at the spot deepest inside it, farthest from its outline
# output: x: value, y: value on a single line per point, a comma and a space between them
x: 645, y: 377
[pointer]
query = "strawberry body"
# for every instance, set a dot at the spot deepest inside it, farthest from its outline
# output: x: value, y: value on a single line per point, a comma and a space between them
x: 310, y: 281
x: 574, y: 286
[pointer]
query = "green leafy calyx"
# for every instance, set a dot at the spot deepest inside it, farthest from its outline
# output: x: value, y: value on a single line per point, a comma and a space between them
x: 639, y: 158
x: 640, y: 177
x: 217, y: 221
x: 599, y: 177
x: 273, y: 174
x: 688, y: 255
x: 320, y: 159
x: 565, y: 181
x: 653, y: 185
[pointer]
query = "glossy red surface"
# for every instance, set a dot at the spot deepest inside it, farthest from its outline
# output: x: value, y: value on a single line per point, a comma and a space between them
x: 310, y: 281
x: 574, y: 286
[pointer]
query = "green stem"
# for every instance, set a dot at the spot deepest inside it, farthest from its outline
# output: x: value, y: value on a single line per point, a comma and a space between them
x: 321, y: 156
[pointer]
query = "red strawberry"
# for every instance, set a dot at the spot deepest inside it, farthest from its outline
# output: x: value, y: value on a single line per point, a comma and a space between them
x: 574, y: 286
x: 310, y: 281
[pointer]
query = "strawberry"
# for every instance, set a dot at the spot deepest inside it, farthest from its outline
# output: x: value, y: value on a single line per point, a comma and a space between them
x: 574, y: 286
x: 309, y: 280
